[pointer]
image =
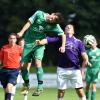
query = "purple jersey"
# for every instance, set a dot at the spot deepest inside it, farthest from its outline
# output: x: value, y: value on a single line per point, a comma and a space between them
x: 74, y: 47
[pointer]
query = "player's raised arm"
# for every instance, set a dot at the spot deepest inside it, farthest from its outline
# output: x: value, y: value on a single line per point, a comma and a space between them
x: 62, y: 48
x: 41, y: 42
x: 25, y: 27
x: 47, y: 40
x: 28, y: 24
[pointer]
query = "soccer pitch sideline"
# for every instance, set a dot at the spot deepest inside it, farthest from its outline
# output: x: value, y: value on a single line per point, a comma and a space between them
x: 48, y: 94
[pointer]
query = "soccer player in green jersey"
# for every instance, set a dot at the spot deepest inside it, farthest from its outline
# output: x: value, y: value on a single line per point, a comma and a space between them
x: 36, y: 28
x: 93, y: 69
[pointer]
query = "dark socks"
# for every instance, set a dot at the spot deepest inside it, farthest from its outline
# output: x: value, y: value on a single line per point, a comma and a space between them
x: 8, y: 96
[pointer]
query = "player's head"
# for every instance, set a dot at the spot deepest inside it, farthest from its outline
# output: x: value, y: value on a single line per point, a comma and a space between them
x: 54, y: 17
x: 21, y: 42
x: 69, y: 29
x: 12, y: 39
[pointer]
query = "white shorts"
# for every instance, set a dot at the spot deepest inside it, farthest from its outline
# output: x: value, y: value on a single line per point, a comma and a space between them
x: 64, y: 75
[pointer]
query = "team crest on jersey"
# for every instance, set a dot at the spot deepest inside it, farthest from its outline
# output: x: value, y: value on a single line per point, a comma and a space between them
x: 69, y: 46
x: 41, y: 28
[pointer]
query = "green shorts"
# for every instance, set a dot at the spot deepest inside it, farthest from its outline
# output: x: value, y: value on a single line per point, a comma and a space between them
x: 92, y: 74
x: 32, y: 51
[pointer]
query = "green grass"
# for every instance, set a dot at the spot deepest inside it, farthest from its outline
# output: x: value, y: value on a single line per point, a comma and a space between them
x: 48, y: 94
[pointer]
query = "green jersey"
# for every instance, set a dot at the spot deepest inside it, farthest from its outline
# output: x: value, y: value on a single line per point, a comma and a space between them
x: 39, y: 27
x: 94, y: 57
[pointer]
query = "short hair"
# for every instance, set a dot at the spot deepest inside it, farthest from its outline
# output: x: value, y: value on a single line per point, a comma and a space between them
x: 60, y: 17
x: 21, y: 39
x: 12, y: 34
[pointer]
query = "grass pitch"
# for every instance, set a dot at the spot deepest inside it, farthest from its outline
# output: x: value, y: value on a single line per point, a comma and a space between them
x: 48, y: 94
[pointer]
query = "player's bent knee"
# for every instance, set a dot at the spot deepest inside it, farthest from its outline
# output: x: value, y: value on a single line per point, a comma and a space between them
x: 9, y: 88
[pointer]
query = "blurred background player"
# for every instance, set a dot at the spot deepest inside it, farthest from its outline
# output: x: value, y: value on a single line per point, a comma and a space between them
x: 10, y: 57
x: 25, y: 71
x: 36, y: 28
x: 69, y: 63
x: 93, y: 69
x: 21, y: 42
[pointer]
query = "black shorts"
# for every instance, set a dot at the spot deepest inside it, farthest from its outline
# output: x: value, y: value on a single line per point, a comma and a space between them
x: 8, y: 76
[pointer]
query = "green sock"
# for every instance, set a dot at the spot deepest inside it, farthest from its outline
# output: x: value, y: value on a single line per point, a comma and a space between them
x: 25, y: 75
x: 93, y: 95
x: 40, y: 77
x: 87, y: 95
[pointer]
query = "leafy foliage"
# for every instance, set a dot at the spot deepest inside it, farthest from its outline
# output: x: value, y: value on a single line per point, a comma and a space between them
x: 84, y: 14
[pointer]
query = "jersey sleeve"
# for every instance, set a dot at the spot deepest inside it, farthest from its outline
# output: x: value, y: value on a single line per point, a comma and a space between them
x: 54, y: 29
x: 34, y: 16
x: 59, y: 30
x: 52, y: 39
x: 81, y: 47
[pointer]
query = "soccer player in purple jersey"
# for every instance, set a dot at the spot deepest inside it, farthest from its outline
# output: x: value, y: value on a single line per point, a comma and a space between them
x: 69, y: 64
